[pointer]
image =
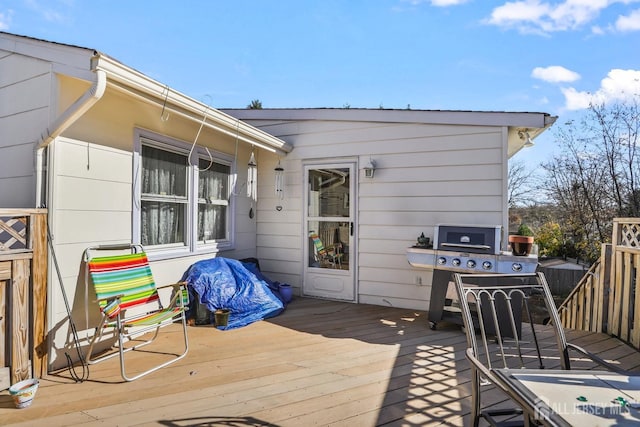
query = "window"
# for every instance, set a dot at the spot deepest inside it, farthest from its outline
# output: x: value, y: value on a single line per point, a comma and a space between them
x: 182, y: 208
x: 213, y: 201
x: 164, y: 201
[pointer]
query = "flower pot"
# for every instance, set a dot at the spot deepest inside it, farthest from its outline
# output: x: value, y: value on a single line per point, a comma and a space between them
x: 23, y: 392
x: 521, y: 245
x: 286, y: 292
x: 221, y: 317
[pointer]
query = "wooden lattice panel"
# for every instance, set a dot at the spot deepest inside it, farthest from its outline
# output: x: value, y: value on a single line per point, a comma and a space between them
x: 629, y: 235
x: 13, y: 233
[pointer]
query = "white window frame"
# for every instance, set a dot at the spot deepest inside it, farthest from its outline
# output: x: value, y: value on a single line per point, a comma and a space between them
x: 191, y: 244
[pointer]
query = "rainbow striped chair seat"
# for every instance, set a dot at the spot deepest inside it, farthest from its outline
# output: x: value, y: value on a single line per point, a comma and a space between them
x: 130, y: 305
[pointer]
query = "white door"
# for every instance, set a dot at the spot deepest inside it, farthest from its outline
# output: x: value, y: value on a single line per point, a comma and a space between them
x: 330, y: 231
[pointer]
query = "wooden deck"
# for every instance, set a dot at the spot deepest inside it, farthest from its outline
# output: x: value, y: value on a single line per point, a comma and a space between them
x: 319, y: 363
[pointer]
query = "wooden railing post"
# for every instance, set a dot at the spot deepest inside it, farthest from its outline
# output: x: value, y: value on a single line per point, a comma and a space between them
x: 39, y: 274
x: 604, y: 289
x: 23, y: 294
x: 20, y: 324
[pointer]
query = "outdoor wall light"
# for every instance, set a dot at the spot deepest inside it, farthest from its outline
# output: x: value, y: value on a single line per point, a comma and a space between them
x: 370, y: 169
x: 252, y: 178
x: 528, y: 142
x: 279, y: 184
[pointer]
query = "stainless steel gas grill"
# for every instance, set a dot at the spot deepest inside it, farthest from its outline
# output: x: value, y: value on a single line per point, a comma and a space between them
x: 468, y: 249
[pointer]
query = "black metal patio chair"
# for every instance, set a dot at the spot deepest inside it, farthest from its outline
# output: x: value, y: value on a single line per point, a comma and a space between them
x: 511, y: 321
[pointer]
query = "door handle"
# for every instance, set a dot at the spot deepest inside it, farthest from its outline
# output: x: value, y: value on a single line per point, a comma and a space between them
x: 351, y: 229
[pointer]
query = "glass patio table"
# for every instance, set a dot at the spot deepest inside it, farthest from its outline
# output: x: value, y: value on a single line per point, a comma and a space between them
x: 574, y: 398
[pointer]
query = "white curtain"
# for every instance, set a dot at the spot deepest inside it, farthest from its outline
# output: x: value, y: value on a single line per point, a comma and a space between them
x: 213, y: 196
x: 164, y: 176
x: 162, y: 223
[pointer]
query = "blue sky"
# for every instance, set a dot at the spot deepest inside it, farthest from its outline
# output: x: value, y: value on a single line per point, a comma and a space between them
x: 552, y: 56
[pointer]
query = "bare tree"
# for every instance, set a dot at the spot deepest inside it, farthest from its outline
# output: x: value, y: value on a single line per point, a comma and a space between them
x: 616, y: 132
x: 596, y: 177
x: 520, y: 180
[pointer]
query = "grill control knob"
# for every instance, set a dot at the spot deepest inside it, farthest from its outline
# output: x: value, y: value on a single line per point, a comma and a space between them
x: 517, y: 267
x: 487, y: 265
x: 456, y: 262
x: 471, y: 264
x: 442, y: 260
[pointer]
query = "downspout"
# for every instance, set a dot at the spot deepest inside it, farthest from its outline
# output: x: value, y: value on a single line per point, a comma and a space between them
x: 66, y: 119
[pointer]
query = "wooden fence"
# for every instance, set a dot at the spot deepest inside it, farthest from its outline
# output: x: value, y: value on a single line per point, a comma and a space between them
x: 607, y: 299
x: 23, y: 294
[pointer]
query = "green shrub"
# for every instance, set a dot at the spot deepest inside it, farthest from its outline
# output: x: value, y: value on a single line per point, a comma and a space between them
x: 524, y: 230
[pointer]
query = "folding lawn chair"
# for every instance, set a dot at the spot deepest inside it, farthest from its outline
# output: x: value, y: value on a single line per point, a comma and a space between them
x: 130, y: 305
x: 324, y: 255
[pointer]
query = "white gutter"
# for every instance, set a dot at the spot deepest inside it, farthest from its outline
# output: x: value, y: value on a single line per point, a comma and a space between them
x: 202, y: 119
x: 75, y: 110
x: 66, y: 119
x: 145, y: 88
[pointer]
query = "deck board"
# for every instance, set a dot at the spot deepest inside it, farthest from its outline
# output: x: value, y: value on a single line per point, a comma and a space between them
x: 319, y: 363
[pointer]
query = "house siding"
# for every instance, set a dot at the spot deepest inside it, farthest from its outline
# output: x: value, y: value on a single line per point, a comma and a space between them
x: 425, y: 175
x: 24, y: 109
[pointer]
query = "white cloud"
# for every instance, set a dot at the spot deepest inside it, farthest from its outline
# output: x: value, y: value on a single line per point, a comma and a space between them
x: 555, y: 74
x: 437, y: 3
x: 50, y: 12
x: 445, y: 3
x: 630, y: 22
x: 544, y: 17
x: 512, y: 12
x: 618, y: 86
x: 5, y: 20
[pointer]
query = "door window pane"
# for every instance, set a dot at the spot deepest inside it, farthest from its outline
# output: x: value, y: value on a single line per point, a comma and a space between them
x: 328, y: 244
x: 329, y: 192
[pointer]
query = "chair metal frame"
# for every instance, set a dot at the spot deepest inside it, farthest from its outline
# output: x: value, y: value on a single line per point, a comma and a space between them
x: 150, y: 315
x: 494, y: 304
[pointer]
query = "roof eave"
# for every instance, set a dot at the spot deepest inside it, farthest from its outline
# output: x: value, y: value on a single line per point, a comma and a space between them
x: 444, y: 117
x: 125, y: 78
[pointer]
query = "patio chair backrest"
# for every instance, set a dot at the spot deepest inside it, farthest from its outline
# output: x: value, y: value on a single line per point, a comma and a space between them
x: 317, y: 243
x: 516, y: 320
x: 124, y: 281
x: 127, y: 275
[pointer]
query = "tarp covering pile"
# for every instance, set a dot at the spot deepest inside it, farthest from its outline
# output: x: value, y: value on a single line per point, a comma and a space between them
x: 240, y: 287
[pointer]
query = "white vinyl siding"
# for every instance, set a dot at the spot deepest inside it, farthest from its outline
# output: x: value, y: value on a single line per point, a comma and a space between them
x: 21, y: 119
x: 90, y: 204
x: 425, y: 174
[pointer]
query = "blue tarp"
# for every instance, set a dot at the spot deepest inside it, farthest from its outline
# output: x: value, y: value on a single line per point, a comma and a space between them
x: 228, y: 283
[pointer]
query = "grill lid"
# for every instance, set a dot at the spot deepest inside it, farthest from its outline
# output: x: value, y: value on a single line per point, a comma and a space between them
x: 479, y: 239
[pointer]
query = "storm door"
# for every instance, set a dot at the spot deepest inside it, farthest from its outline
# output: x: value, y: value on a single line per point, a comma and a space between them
x: 329, y: 231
